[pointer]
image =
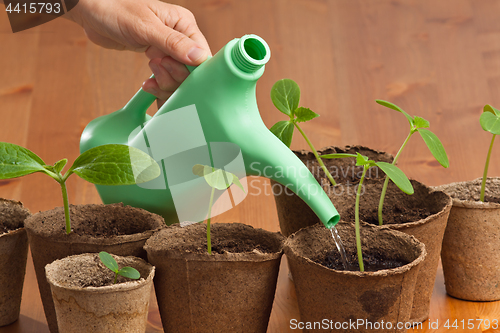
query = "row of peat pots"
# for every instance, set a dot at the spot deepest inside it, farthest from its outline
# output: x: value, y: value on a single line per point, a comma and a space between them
x: 449, y: 220
x: 232, y: 290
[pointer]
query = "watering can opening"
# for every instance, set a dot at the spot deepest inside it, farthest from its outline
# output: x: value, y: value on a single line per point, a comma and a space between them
x: 251, y: 53
x: 211, y: 119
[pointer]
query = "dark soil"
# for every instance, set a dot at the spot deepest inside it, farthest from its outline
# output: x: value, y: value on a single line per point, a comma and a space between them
x: 398, y: 214
x: 12, y: 215
x: 225, y: 238
x: 399, y: 208
x: 98, y: 220
x: 471, y: 190
x: 372, y: 261
x: 241, y: 246
x: 343, y: 170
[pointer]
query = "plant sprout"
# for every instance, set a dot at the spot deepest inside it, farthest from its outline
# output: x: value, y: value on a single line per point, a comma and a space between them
x: 490, y: 122
x: 285, y: 95
x: 217, y: 179
x: 420, y: 125
x: 110, y: 262
x: 392, y: 172
x: 112, y: 164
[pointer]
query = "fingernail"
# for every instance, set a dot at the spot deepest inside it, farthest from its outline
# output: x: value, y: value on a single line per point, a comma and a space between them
x: 196, y: 53
x: 167, y: 67
x: 155, y: 69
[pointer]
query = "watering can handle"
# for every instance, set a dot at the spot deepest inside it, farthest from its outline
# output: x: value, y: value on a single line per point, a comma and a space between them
x: 142, y: 100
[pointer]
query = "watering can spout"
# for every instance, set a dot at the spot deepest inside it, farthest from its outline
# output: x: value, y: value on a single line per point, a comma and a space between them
x: 279, y: 163
x: 211, y: 119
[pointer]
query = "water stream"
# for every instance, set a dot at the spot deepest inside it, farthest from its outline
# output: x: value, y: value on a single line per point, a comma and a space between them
x: 340, y: 247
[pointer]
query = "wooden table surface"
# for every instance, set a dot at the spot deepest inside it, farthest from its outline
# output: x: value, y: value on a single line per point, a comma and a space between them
x: 436, y: 59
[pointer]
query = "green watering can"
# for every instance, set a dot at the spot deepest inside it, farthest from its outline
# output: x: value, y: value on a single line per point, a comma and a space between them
x: 211, y: 119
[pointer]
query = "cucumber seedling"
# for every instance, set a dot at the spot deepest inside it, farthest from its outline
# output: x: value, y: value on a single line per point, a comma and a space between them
x: 110, y: 262
x: 490, y: 122
x: 217, y: 179
x: 392, y: 172
x: 417, y: 125
x: 285, y: 95
x: 111, y: 164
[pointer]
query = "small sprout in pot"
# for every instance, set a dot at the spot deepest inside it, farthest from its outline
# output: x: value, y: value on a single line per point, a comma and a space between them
x: 110, y: 262
x: 217, y: 179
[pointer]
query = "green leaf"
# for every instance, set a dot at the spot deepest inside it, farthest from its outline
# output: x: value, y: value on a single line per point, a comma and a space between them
x: 489, y: 108
x: 490, y: 122
x: 108, y: 261
x: 435, y: 146
x: 115, y: 165
x: 218, y: 178
x: 395, y: 107
x: 59, y: 165
x: 339, y: 155
x: 130, y: 272
x: 420, y: 122
x: 199, y: 170
x: 397, y: 176
x: 285, y: 95
x: 16, y: 161
x: 361, y: 160
x: 237, y: 182
x: 283, y: 131
x: 305, y: 114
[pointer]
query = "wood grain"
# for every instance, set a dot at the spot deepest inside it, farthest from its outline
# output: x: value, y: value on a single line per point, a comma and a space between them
x: 436, y: 59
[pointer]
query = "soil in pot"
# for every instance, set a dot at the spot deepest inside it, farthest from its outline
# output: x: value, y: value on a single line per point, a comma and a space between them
x: 294, y: 213
x: 342, y: 296
x: 87, y: 301
x: 114, y: 228
x: 471, y: 244
x: 13, y: 256
x: 231, y: 290
x: 423, y: 215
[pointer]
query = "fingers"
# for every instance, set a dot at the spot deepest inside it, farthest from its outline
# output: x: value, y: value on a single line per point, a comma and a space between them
x: 151, y: 86
x: 184, y: 41
x: 154, y: 52
x: 169, y: 74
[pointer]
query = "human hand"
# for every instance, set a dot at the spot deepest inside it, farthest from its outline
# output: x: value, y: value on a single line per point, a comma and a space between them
x: 167, y: 33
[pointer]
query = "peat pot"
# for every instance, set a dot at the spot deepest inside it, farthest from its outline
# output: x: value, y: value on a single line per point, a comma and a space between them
x: 330, y: 299
x: 13, y: 256
x: 471, y: 244
x: 231, y: 290
x: 423, y: 214
x: 87, y: 301
x: 117, y: 229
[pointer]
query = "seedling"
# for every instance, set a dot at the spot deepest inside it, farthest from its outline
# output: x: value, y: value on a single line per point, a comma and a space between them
x: 417, y: 125
x: 490, y: 122
x: 217, y: 179
x: 103, y: 165
x: 110, y: 262
x: 285, y: 95
x: 392, y: 172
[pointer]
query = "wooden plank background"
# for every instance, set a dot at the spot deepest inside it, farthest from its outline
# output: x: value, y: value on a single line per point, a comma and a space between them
x: 436, y: 59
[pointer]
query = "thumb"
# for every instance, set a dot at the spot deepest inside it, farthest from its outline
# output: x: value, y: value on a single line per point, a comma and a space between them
x: 177, y: 45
